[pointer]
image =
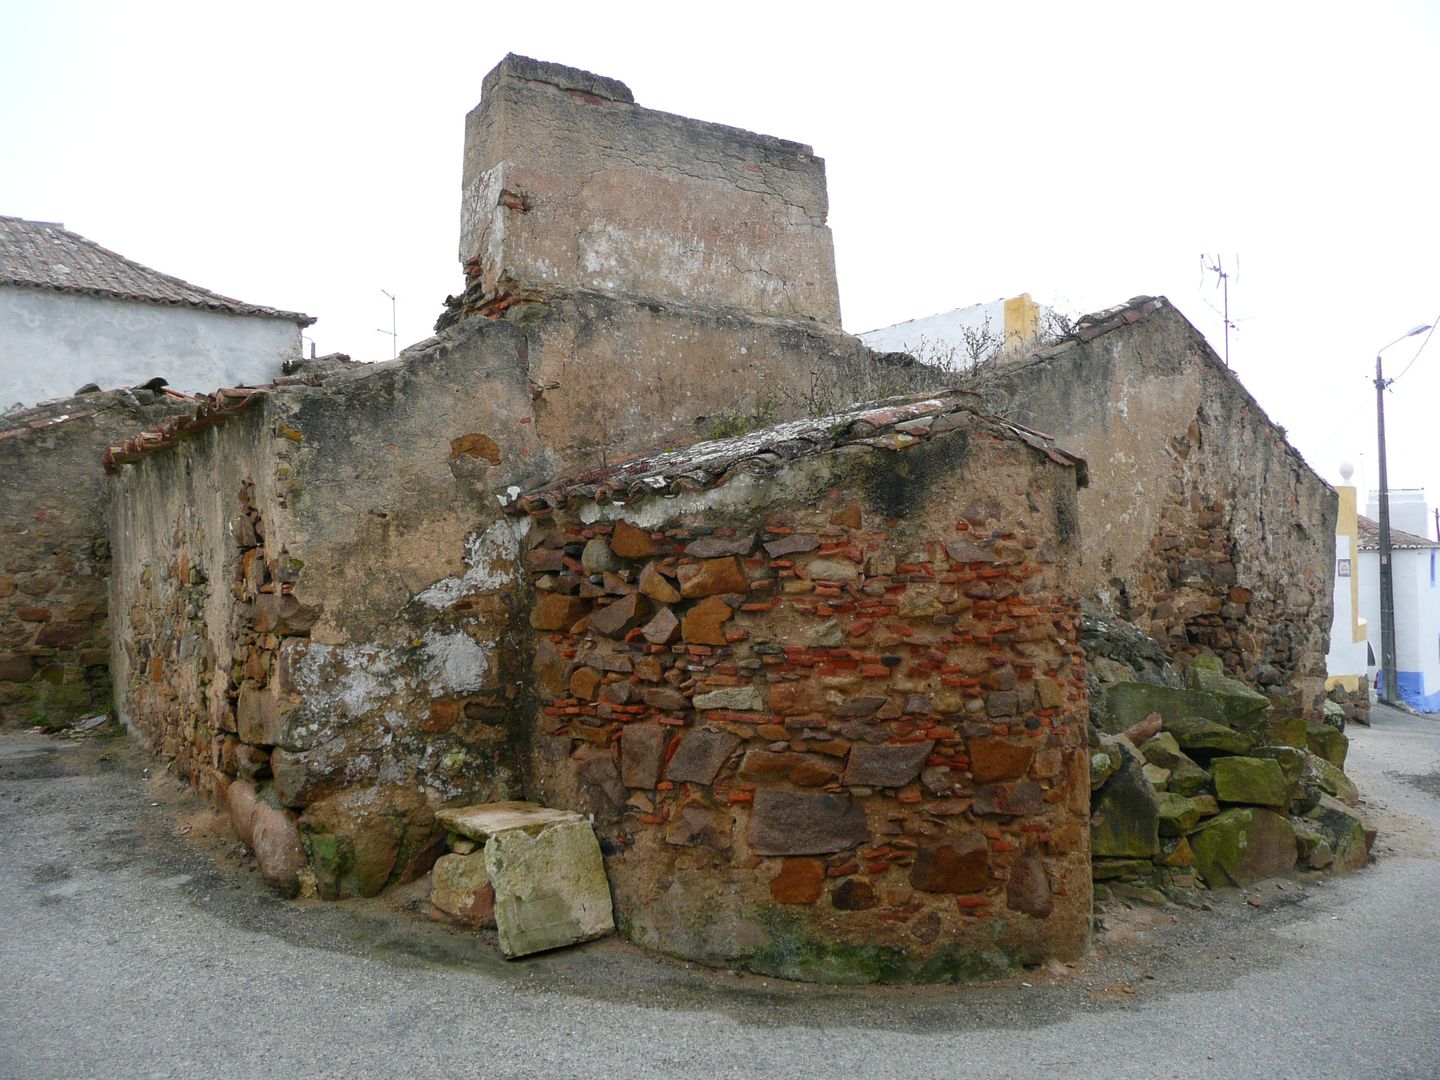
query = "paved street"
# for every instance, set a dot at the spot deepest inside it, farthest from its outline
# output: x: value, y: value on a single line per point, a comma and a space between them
x: 127, y: 950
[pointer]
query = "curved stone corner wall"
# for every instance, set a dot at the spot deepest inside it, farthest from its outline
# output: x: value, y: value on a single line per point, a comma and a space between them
x: 831, y: 726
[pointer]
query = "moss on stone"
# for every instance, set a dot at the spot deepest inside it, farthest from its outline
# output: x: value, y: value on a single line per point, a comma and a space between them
x: 793, y: 952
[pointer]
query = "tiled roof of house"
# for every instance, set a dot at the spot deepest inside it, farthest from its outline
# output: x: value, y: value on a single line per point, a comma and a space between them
x: 892, y: 424
x: 46, y: 255
x: 1370, y: 538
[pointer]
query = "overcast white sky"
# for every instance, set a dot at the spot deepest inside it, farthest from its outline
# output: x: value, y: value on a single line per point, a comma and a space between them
x: 307, y: 155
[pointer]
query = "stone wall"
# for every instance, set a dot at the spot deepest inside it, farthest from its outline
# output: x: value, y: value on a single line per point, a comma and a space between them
x: 1203, y: 525
x: 568, y: 182
x: 828, y: 714
x: 54, y: 630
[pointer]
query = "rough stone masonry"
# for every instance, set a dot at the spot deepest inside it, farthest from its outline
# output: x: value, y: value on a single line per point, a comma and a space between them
x: 819, y: 683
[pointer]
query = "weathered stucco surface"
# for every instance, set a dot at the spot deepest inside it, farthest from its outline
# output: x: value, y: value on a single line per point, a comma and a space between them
x: 1202, y: 525
x: 568, y: 181
x: 55, y: 554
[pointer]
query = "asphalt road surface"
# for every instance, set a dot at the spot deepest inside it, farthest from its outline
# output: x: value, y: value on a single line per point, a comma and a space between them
x: 134, y: 942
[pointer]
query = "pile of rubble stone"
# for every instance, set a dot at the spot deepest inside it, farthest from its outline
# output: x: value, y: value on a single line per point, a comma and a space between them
x: 1198, y: 781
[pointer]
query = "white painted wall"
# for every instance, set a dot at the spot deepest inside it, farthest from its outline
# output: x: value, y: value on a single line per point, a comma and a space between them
x: 1417, y: 613
x: 937, y: 338
x: 1409, y: 512
x: 1346, y: 657
x: 52, y: 343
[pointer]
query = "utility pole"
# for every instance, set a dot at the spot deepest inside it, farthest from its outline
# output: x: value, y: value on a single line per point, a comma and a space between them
x: 1387, y: 575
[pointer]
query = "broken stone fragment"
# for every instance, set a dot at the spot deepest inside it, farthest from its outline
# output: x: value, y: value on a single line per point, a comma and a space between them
x: 461, y: 889
x: 555, y: 611
x: 1243, y: 845
x: 712, y: 577
x: 654, y: 585
x: 795, y: 544
x: 966, y: 551
x: 852, y: 894
x: 596, y: 557
x: 736, y: 698
x: 886, y: 766
x: 700, y: 755
x: 1028, y: 889
x: 962, y: 866
x: 713, y: 547
x: 698, y: 825
x: 620, y: 616
x: 805, y: 823
x: 704, y: 623
x: 480, y: 821
x: 800, y: 881
x: 993, y: 760
x: 628, y: 542
x: 642, y: 750
x: 550, y: 887
x: 1125, y: 818
x: 1178, y: 815
x: 1255, y: 781
x: 840, y: 570
x: 1344, y: 830
x: 277, y: 846
x: 662, y: 628
x: 1019, y: 799
x: 1324, y: 741
x: 1198, y: 735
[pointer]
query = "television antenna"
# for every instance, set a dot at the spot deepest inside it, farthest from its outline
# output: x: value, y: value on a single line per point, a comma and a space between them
x: 1215, y: 266
x: 392, y: 333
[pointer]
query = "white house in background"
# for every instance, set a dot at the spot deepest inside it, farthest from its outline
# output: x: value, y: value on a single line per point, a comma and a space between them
x: 1417, y: 594
x: 1348, y: 661
x: 74, y: 313
x: 953, y: 337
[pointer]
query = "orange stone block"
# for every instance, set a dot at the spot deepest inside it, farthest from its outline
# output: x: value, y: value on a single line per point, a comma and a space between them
x: 800, y: 881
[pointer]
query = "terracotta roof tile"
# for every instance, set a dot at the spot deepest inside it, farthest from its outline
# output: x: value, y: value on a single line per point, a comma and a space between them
x: 1401, y: 541
x: 45, y: 255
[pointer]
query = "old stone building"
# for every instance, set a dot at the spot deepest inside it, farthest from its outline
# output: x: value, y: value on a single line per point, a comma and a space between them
x: 817, y: 675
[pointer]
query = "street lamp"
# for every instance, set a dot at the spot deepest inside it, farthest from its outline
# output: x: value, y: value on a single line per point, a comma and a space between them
x: 1387, y: 577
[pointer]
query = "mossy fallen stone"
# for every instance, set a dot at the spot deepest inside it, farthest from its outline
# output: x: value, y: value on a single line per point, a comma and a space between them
x: 550, y: 888
x: 1176, y: 853
x: 1318, y: 773
x: 1118, y: 869
x: 1250, y: 780
x: 1283, y: 729
x: 1129, y: 703
x: 1178, y: 815
x: 1345, y: 830
x: 1102, y: 766
x: 1163, y: 750
x: 1196, y: 734
x: 1324, y: 740
x: 1189, y: 779
x: 1125, y: 816
x: 1314, y: 846
x: 1156, y: 776
x: 1290, y: 759
x: 1206, y: 673
x: 1244, y: 845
